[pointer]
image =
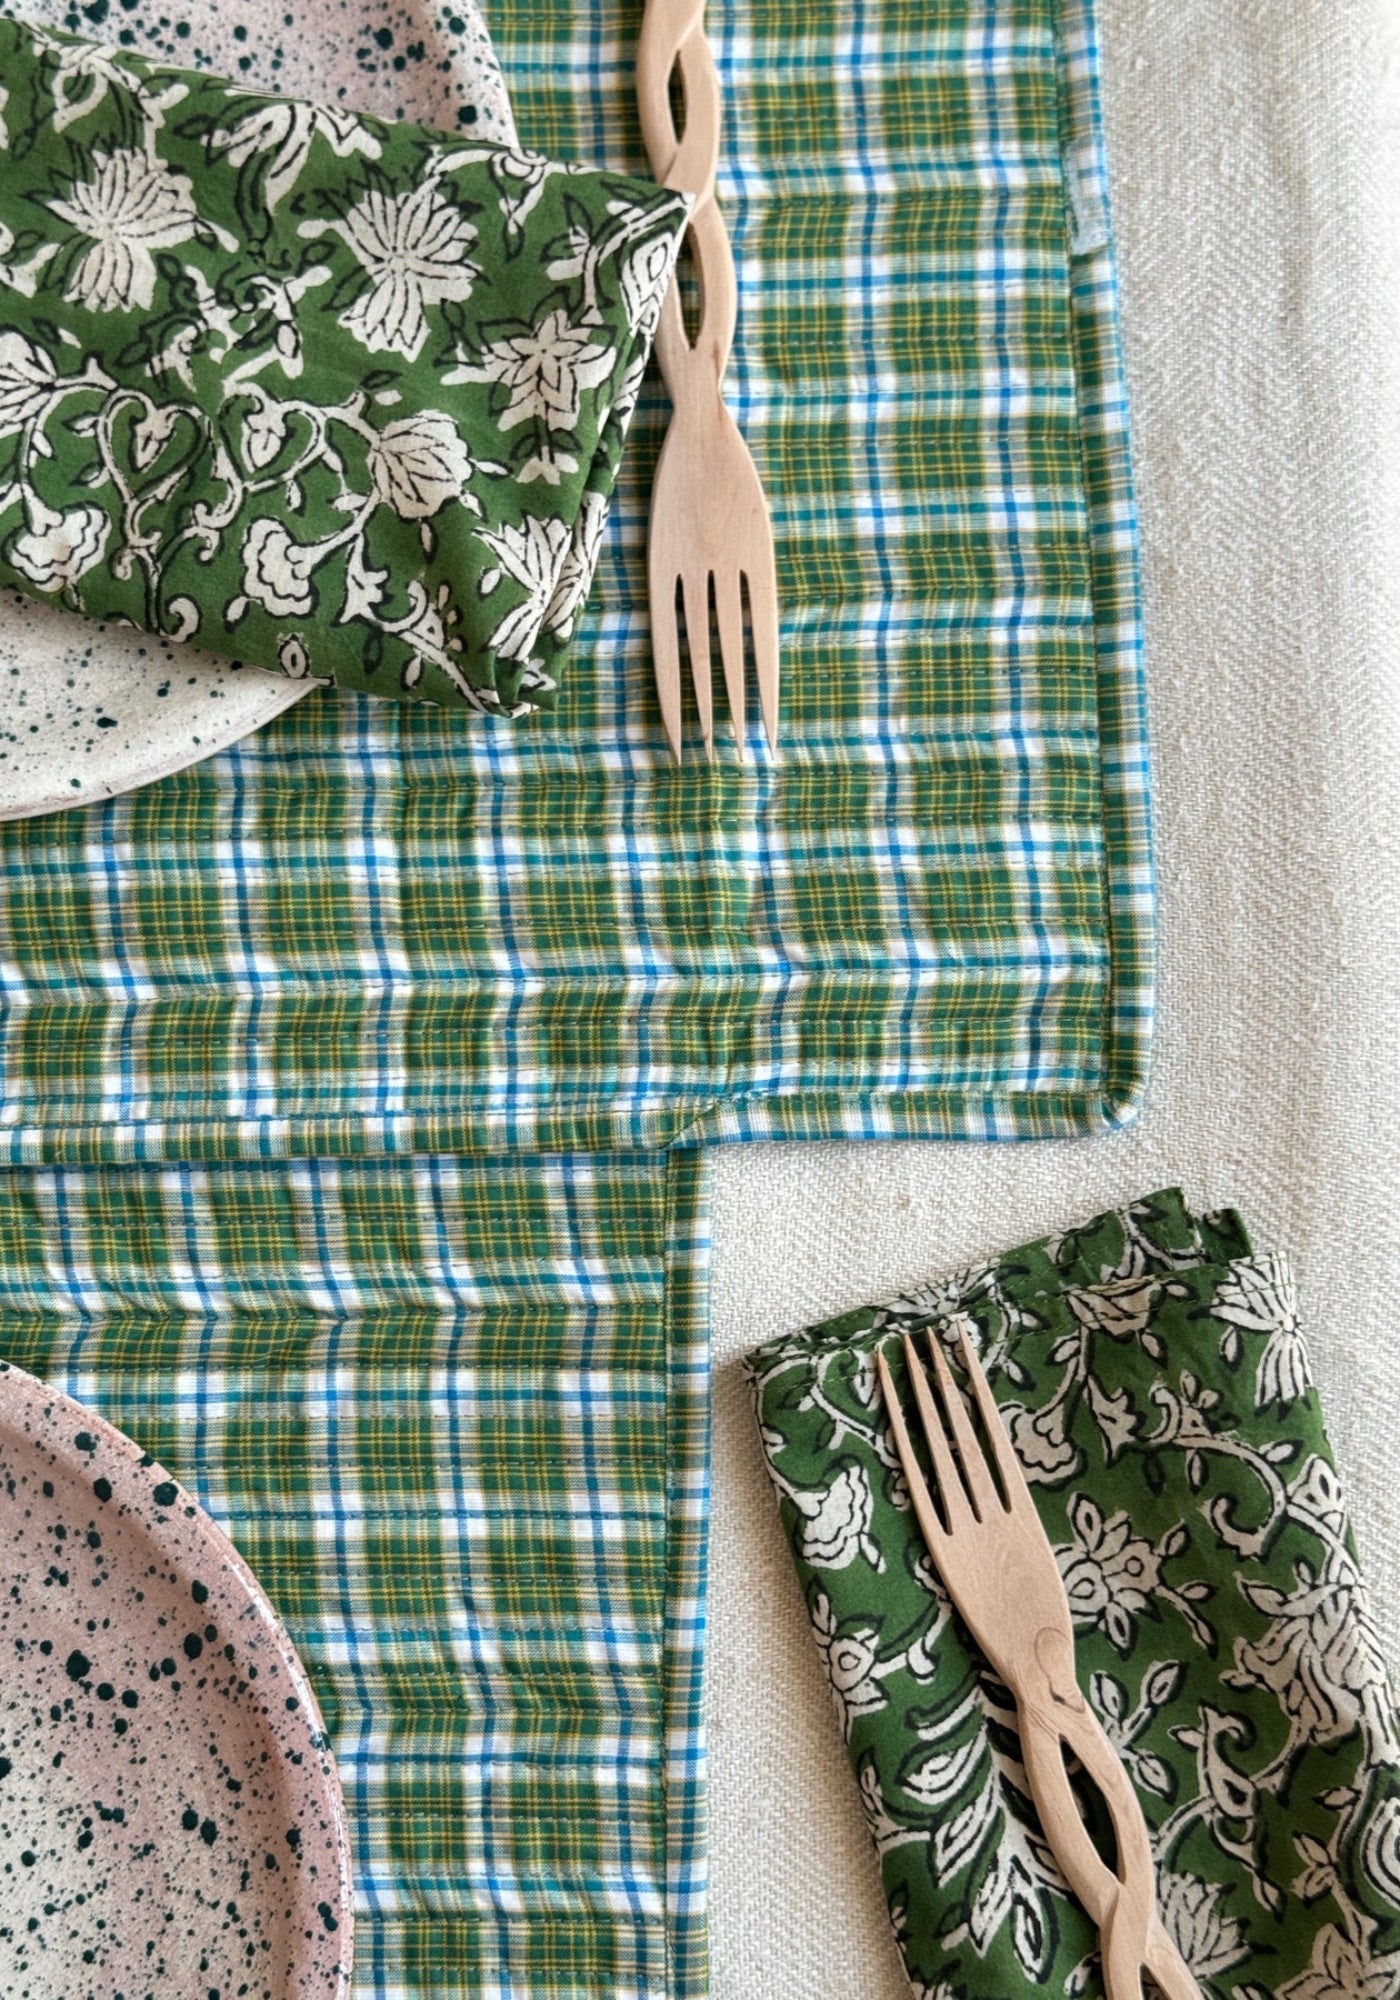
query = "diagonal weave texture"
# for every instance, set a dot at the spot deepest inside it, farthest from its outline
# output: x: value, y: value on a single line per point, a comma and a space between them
x: 366, y: 931
x: 456, y: 1419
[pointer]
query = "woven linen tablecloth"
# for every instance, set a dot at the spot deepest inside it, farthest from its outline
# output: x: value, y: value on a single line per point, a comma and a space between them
x: 337, y: 1073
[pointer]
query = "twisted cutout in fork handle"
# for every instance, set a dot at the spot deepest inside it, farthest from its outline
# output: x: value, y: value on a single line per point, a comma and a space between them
x: 1121, y: 1904
x: 673, y: 40
x: 992, y: 1551
x: 709, y: 518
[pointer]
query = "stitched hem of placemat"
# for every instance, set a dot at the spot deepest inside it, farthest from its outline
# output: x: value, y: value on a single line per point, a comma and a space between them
x: 814, y: 1115
x: 688, y: 1507
x: 1124, y: 763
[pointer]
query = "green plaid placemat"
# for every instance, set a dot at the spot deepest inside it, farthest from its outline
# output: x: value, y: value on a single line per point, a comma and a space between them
x: 367, y: 930
x: 455, y: 1416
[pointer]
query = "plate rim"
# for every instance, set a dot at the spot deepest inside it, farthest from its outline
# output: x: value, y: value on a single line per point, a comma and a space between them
x: 20, y: 1391
x: 278, y: 701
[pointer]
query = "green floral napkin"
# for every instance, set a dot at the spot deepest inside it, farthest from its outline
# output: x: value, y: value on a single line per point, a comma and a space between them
x: 336, y: 396
x: 1155, y: 1382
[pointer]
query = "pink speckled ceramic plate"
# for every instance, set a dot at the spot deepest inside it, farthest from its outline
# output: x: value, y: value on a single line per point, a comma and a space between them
x: 171, y: 1825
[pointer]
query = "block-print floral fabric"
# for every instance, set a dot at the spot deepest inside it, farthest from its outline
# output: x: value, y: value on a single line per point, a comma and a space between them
x: 1155, y: 1382
x: 335, y: 396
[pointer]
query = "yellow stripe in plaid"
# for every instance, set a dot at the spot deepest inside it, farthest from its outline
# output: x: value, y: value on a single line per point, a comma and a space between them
x: 368, y: 931
x: 455, y: 1418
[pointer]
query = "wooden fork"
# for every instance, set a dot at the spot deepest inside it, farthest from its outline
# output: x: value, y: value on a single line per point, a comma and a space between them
x: 709, y: 518
x: 995, y: 1557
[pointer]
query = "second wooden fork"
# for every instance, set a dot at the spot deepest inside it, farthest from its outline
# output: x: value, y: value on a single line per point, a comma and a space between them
x: 994, y: 1555
x: 709, y: 529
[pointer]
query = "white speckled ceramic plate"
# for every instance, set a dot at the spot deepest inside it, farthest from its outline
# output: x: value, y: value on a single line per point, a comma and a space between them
x: 171, y: 1823
x: 87, y: 711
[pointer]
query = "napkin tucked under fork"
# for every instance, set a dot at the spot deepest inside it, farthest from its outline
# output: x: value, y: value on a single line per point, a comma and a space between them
x: 1152, y: 1373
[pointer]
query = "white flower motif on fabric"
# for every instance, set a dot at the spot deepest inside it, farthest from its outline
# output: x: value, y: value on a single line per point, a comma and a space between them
x: 1322, y: 1657
x: 546, y: 368
x: 285, y: 131
x: 132, y: 206
x: 520, y: 178
x: 576, y: 578
x: 1208, y: 1938
x: 414, y: 248
x: 28, y: 380
x: 1261, y: 1297
x: 1109, y: 1572
x: 1120, y: 1310
x: 82, y: 78
x: 646, y: 276
x: 56, y: 549
x: 644, y: 266
x: 277, y: 570
x: 83, y: 74
x: 850, y: 1659
x: 837, y: 1525
x: 265, y: 431
x: 1342, y: 1969
x: 152, y: 432
x: 531, y: 555
x: 1041, y: 1442
x: 419, y: 463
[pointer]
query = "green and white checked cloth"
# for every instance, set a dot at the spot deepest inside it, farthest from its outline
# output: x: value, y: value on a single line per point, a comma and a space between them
x: 456, y: 1419
x: 363, y: 931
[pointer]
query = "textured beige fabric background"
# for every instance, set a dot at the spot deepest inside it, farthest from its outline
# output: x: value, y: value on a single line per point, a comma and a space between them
x: 1255, y: 147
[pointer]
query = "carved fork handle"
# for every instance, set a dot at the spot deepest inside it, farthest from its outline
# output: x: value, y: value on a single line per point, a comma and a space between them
x: 673, y: 38
x: 1122, y: 1904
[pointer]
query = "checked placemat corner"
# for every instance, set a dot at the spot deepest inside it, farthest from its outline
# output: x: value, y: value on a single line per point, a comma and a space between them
x: 456, y: 1419
x: 366, y: 930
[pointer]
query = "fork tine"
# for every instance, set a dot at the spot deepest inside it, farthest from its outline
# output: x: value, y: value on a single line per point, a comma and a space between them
x: 957, y: 1504
x: 926, y: 1513
x: 985, y: 1499
x: 729, y: 612
x: 763, y: 613
x: 696, y: 586
x: 1013, y: 1480
x: 666, y: 660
